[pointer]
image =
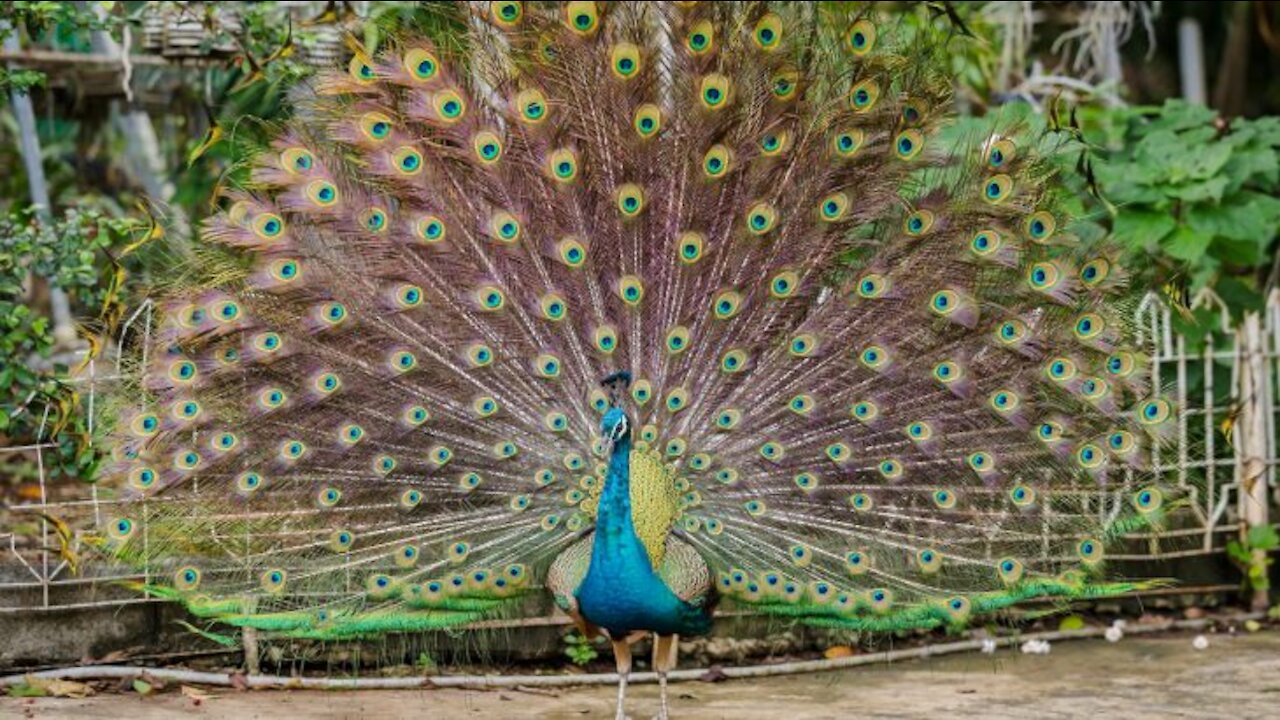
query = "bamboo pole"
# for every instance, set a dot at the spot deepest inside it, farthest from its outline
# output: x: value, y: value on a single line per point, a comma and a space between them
x: 1251, y: 450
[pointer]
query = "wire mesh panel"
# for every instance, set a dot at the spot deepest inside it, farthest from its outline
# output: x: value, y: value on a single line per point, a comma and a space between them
x: 47, y: 563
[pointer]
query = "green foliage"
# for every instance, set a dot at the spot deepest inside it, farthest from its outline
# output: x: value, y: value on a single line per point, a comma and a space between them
x: 1194, y: 197
x: 1261, y: 538
x: 425, y: 662
x: 580, y: 649
x: 31, y: 385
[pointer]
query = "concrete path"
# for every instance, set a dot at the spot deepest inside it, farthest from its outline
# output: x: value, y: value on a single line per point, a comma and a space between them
x: 1151, y: 677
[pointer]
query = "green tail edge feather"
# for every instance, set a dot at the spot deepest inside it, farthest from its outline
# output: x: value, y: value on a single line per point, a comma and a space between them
x: 321, y: 625
x: 925, y: 617
x: 223, y: 640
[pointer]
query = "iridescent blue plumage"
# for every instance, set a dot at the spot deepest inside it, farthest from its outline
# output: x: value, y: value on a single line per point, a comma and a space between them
x: 622, y: 592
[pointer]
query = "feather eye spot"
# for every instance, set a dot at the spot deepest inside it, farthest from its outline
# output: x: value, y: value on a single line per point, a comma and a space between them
x: 863, y: 95
x: 677, y: 399
x: 449, y: 106
x: 714, y: 92
x: 908, y: 144
x: 631, y: 290
x: 606, y: 339
x: 985, y: 243
x: 677, y: 340
x: 1148, y: 500
x: 1004, y: 401
x: 774, y: 143
x: 847, y: 143
x: 834, y: 207
x: 630, y: 199
x: 296, y: 160
x: 490, y: 298
x: 768, y: 32
x: 728, y: 419
x: 918, y: 223
x: 648, y: 120
x: 485, y: 406
x: 488, y: 147
x: 861, y: 502
x: 1040, y: 226
x: 507, y: 14
x: 582, y: 17
x: 691, y: 245
x: 734, y: 361
x: 361, y: 69
x: 861, y: 37
x: 784, y: 284
x: 700, y: 38
x: 1154, y: 412
x: 1022, y: 495
x: 641, y: 391
x: 716, y: 162
x: 998, y: 189
x: 625, y: 60
x: 268, y: 226
x: 532, y: 106
x: 1090, y: 551
x: 761, y: 218
x: 415, y: 415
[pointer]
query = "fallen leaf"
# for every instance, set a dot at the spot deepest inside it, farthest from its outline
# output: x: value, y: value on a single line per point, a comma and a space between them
x: 194, y: 693
x: 142, y: 687
x: 25, y: 690
x: 66, y: 688
x: 837, y: 651
x: 29, y: 491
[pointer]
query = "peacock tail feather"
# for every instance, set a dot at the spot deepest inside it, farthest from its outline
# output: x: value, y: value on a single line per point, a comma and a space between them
x: 878, y: 380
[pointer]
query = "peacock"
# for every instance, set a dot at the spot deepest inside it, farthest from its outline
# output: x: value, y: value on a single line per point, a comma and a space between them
x: 650, y: 307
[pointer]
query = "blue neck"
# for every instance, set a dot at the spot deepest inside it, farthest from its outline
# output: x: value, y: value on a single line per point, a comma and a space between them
x: 614, y: 528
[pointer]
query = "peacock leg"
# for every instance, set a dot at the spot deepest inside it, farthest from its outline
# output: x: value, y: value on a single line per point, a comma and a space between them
x: 665, y: 650
x: 622, y: 656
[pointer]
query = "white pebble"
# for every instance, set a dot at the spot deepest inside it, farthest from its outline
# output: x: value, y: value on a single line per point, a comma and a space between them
x: 1036, y: 647
x: 988, y: 646
x: 1200, y: 643
x: 1114, y: 634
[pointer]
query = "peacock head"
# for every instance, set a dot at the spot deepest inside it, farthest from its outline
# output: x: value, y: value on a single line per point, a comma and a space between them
x: 615, y: 426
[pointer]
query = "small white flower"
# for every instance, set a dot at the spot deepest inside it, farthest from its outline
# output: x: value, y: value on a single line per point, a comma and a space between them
x: 1114, y: 634
x: 1200, y: 643
x: 988, y: 646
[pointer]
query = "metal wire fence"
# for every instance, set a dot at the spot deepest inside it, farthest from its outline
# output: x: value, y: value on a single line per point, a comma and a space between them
x: 45, y: 564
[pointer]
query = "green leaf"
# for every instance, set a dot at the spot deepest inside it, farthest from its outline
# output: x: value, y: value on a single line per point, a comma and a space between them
x: 1245, y: 216
x: 1239, y: 295
x: 1195, y: 192
x: 1263, y: 537
x: 1141, y: 229
x: 1186, y: 244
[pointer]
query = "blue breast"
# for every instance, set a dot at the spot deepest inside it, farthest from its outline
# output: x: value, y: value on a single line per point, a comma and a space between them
x: 621, y: 592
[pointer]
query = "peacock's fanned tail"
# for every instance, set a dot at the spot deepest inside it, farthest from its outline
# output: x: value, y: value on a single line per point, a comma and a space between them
x: 889, y: 385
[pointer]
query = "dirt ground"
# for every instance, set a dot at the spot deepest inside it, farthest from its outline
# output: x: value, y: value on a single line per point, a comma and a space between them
x: 1236, y: 677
